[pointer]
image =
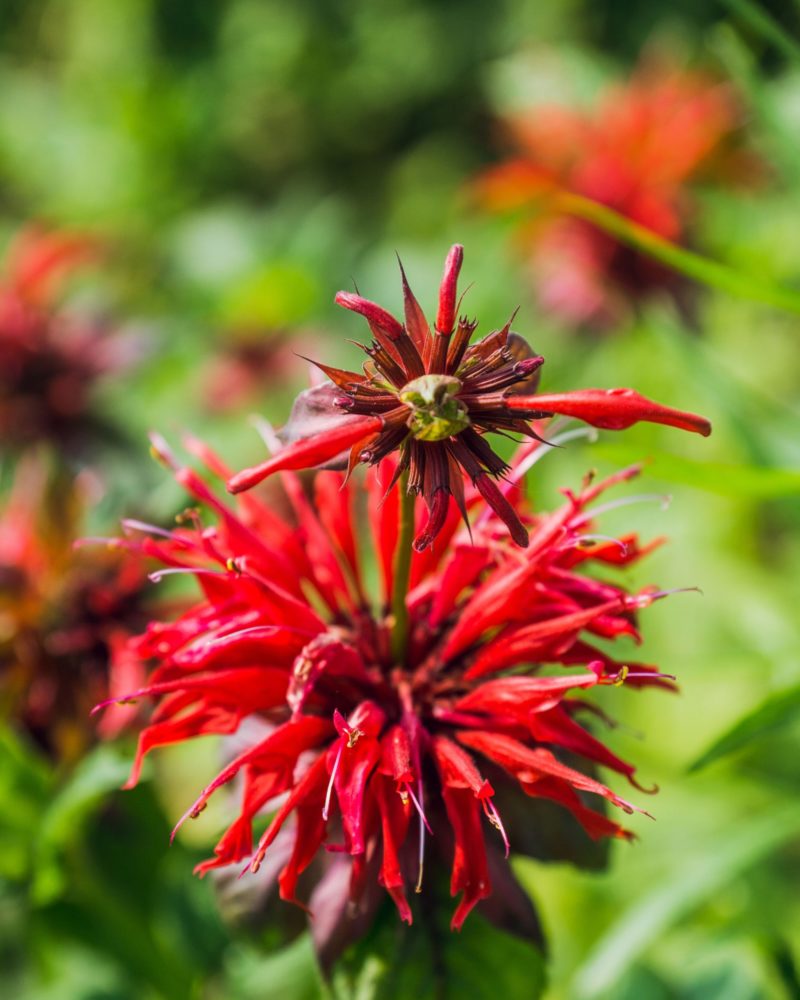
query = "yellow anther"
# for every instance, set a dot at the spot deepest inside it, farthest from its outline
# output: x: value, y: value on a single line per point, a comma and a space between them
x: 353, y: 736
x: 619, y: 680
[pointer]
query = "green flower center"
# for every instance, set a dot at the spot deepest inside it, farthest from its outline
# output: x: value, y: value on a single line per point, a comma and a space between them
x: 436, y: 414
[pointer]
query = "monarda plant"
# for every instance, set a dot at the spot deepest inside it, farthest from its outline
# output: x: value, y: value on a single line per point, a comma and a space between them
x: 642, y: 150
x: 392, y: 730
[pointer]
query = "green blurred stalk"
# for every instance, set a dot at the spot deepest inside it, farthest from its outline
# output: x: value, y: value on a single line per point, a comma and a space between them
x: 402, y: 572
x: 693, y: 265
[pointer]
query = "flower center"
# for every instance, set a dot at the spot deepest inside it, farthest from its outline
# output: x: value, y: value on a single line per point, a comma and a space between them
x: 436, y: 413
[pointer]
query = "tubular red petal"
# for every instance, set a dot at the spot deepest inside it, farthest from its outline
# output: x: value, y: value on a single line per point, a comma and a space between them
x: 529, y: 765
x: 609, y: 409
x: 491, y: 494
x: 437, y: 516
x: 309, y: 452
x: 448, y: 290
x: 373, y: 313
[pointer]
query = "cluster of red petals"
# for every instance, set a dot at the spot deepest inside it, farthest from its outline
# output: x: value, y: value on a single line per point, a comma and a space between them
x: 350, y: 755
x: 638, y: 152
x: 431, y: 396
x: 50, y: 358
x: 66, y: 617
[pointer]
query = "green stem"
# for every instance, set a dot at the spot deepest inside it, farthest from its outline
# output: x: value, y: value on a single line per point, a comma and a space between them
x: 402, y: 572
x: 693, y: 265
x: 762, y: 22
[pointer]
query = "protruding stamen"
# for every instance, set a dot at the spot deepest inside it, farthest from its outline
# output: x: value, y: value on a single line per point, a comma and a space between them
x: 626, y: 674
x: 664, y: 499
x: 644, y: 789
x: 327, y: 807
x: 158, y: 575
x: 494, y: 818
x: 409, y: 792
x: 658, y: 594
x: 580, y: 542
x: 353, y: 736
x: 162, y: 452
x: 130, y: 524
x: 422, y: 824
x: 649, y: 675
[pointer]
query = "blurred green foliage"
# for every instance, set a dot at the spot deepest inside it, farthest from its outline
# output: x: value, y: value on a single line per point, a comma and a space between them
x: 243, y: 159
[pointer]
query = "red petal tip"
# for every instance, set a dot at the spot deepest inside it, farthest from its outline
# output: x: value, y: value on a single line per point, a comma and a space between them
x: 372, y: 312
x: 448, y: 290
x: 610, y: 409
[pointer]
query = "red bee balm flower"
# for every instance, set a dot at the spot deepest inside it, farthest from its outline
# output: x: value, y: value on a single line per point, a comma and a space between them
x: 374, y: 757
x: 52, y: 356
x: 639, y: 151
x: 431, y: 395
x: 65, y: 615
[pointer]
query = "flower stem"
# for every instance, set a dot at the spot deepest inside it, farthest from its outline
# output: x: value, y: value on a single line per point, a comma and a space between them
x: 402, y: 572
x: 686, y: 262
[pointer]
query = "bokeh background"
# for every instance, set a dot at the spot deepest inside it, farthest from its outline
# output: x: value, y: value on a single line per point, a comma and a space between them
x: 237, y: 162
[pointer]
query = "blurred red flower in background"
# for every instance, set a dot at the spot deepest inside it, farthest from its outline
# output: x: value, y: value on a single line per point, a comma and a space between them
x: 639, y: 151
x: 249, y: 362
x: 379, y: 760
x: 65, y: 616
x: 51, y: 357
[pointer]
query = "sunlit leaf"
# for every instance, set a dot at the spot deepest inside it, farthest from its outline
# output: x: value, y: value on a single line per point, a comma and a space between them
x: 688, y: 886
x: 686, y: 262
x: 778, y: 710
x: 755, y: 482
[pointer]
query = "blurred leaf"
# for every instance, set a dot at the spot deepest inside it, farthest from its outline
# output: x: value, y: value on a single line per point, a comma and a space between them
x: 783, y: 960
x: 62, y: 823
x: 428, y: 961
x: 290, y: 972
x: 686, y: 888
x: 714, y: 477
x: 765, y: 24
x: 277, y: 295
x: 778, y: 710
x: 686, y: 262
x: 25, y: 787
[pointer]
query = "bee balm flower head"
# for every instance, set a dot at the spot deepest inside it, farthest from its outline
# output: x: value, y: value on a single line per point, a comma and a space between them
x: 364, y: 769
x: 431, y: 396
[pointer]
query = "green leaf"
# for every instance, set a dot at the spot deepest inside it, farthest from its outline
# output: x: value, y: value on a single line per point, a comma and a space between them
x: 765, y: 24
x: 778, y: 710
x: 25, y: 789
x: 428, y: 961
x: 289, y: 972
x: 755, y: 482
x: 686, y: 262
x: 101, y: 772
x: 719, y: 861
